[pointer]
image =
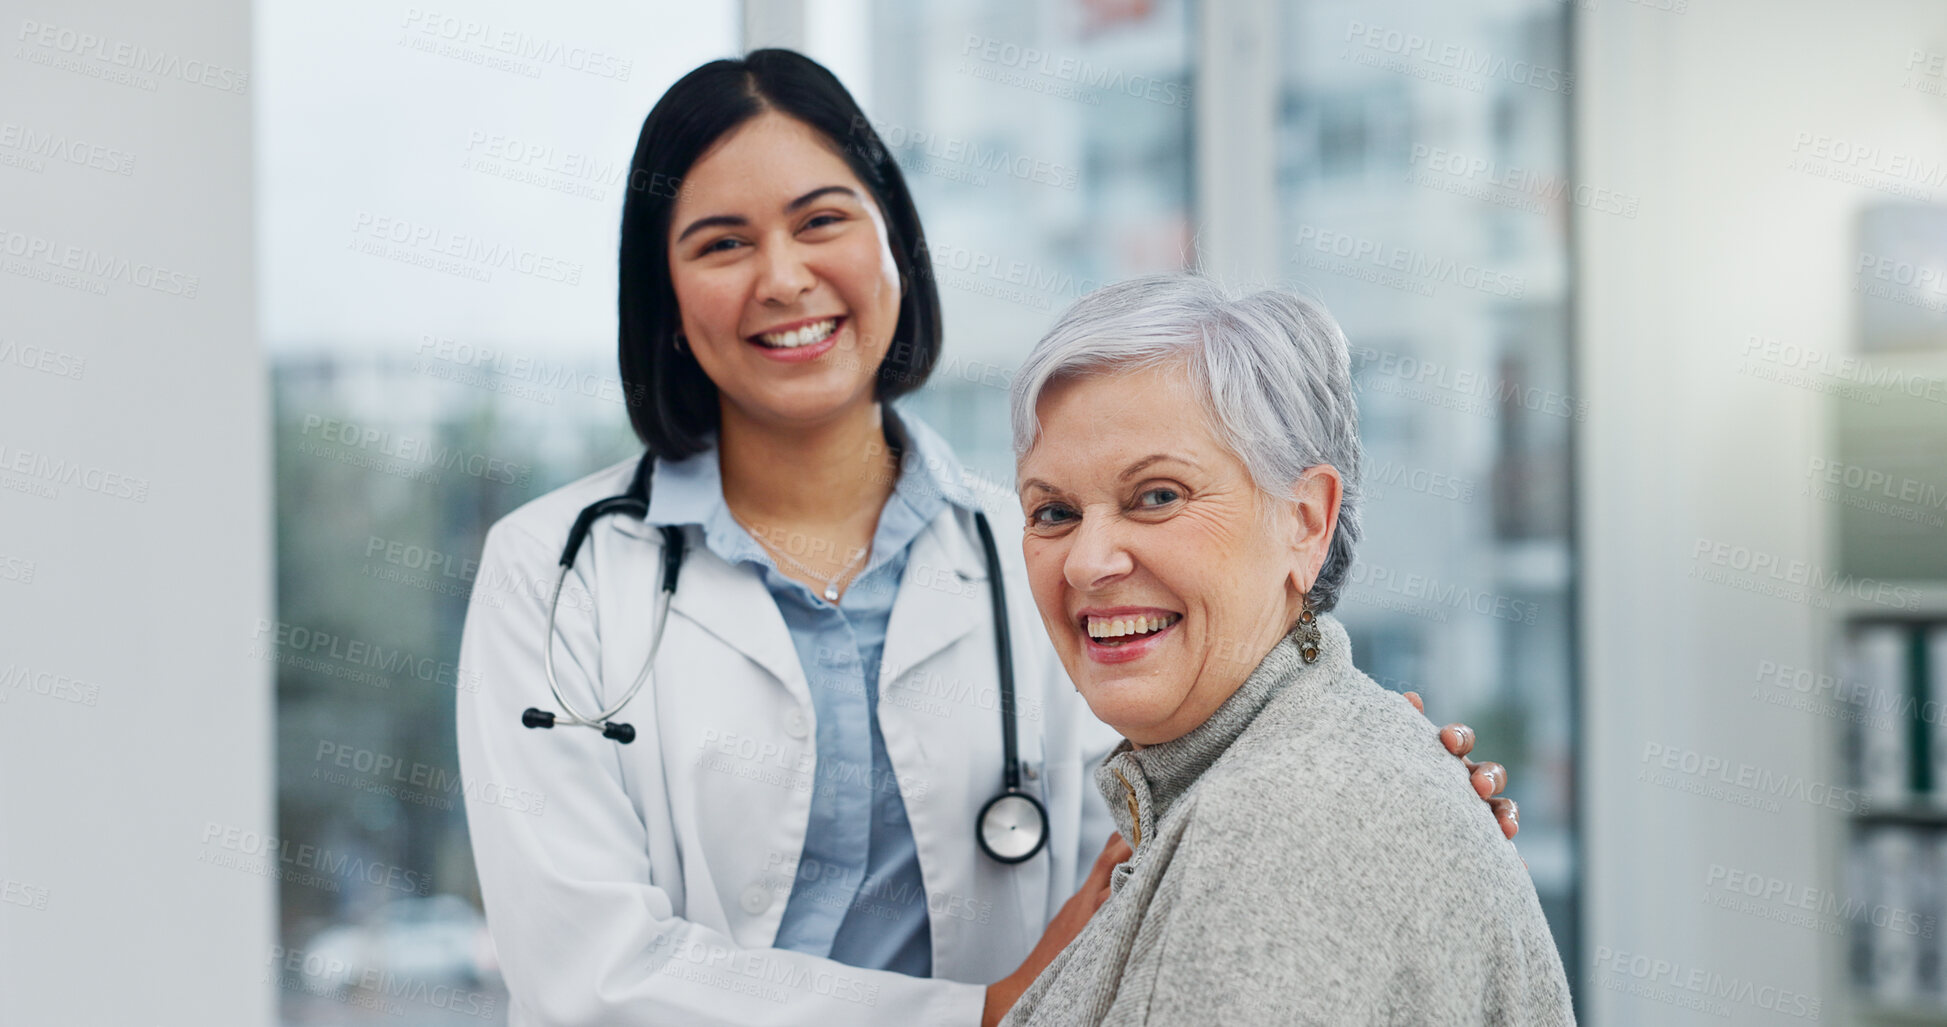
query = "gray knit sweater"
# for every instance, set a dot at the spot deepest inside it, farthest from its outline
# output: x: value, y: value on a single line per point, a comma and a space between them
x: 1308, y: 855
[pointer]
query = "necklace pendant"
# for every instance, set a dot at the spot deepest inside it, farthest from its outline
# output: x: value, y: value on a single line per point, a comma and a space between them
x: 831, y: 593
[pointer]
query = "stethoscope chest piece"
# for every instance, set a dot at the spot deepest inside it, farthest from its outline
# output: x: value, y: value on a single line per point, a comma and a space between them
x: 1013, y: 827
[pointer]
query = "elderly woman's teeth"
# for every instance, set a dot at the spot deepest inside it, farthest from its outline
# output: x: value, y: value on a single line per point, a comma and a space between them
x: 805, y: 336
x: 1119, y: 627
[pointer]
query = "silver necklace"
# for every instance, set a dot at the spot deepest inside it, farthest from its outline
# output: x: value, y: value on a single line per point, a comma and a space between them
x: 831, y: 584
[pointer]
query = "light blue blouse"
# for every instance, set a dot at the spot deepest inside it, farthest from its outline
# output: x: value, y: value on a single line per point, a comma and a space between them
x: 858, y: 897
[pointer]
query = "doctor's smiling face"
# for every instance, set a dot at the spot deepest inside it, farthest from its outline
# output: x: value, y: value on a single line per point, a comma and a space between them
x: 787, y: 287
x: 1162, y: 573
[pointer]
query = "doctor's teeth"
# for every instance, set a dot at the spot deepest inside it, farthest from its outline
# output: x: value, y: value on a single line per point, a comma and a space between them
x: 805, y: 336
x: 1116, y: 627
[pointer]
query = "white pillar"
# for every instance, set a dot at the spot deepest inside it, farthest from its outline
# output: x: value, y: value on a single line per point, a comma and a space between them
x: 135, y: 521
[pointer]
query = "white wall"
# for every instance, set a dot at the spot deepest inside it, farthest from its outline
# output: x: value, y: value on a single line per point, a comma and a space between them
x: 132, y: 716
x: 1700, y: 112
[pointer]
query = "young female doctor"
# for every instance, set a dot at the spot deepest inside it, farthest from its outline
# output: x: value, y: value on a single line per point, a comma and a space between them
x: 808, y: 814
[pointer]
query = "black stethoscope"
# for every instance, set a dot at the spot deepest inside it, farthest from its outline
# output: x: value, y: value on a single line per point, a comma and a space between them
x: 1011, y: 827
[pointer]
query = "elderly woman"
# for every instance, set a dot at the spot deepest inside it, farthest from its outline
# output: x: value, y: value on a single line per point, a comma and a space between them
x: 1189, y: 466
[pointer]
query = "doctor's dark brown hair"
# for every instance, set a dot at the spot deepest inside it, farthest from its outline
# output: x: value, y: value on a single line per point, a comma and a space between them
x: 672, y: 403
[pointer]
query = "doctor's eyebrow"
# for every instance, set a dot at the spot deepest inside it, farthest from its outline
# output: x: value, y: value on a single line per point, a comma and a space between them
x: 739, y: 221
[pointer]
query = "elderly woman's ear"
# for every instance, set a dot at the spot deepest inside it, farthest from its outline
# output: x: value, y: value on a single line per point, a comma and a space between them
x: 1316, y: 499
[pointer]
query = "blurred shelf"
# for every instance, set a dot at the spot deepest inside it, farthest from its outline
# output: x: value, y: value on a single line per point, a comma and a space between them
x: 1931, y: 604
x: 1912, y: 812
x: 1874, y: 1011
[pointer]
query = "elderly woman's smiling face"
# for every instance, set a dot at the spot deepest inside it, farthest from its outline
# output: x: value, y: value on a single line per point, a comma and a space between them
x: 1162, y: 573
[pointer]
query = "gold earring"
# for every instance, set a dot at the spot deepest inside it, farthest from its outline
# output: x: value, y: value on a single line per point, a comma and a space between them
x: 1308, y: 636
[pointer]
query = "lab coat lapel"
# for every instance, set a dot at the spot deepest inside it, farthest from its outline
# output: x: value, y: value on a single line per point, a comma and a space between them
x: 941, y: 595
x: 733, y: 604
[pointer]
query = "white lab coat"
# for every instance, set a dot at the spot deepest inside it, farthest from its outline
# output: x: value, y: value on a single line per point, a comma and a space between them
x: 643, y: 884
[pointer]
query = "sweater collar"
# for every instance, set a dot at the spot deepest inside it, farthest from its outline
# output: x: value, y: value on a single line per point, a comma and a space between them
x: 1141, y: 785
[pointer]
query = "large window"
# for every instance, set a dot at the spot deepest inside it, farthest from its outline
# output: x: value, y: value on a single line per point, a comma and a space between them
x: 1048, y: 148
x: 1423, y: 190
x: 441, y: 195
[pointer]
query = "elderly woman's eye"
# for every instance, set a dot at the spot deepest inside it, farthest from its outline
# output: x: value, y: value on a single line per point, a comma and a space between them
x: 1159, y: 496
x: 1050, y: 515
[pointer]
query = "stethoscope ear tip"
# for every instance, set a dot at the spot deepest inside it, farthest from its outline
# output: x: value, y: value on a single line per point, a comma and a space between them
x: 623, y: 733
x: 532, y: 717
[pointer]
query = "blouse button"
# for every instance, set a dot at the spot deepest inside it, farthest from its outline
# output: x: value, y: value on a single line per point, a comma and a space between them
x: 794, y: 724
x: 756, y: 899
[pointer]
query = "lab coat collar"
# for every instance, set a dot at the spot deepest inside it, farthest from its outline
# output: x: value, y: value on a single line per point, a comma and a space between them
x: 732, y: 603
x: 690, y: 492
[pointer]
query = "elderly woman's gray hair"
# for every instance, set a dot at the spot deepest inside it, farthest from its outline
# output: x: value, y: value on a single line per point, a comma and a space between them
x: 1273, y: 372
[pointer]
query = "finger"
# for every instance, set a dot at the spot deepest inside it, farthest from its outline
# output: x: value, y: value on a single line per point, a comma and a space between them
x: 1489, y: 778
x: 1106, y: 862
x: 1458, y: 738
x: 1414, y: 698
x: 1508, y: 814
x: 1114, y: 851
